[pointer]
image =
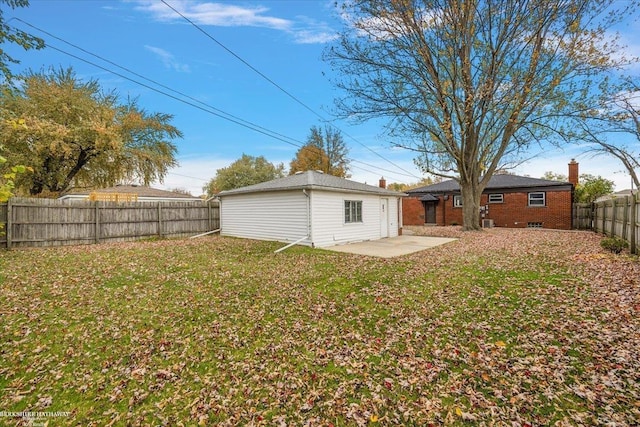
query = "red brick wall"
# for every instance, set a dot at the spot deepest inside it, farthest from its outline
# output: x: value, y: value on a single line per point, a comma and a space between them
x: 514, y: 212
x: 412, y: 211
x: 449, y: 215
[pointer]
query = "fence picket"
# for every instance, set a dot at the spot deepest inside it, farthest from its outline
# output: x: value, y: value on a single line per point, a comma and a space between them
x: 622, y: 221
x: 45, y: 222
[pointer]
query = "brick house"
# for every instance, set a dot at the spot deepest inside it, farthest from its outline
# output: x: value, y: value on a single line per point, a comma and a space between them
x: 508, y: 201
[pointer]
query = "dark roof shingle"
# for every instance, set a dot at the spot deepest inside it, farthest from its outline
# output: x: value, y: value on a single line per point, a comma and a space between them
x: 503, y: 181
x: 311, y: 180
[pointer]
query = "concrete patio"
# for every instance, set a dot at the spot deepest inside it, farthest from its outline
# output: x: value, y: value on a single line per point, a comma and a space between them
x: 392, y: 247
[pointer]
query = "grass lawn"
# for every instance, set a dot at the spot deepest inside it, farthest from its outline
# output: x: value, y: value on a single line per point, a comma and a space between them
x: 502, y: 327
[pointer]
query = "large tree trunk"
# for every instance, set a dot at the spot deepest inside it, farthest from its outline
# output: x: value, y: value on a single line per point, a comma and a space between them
x: 470, y: 205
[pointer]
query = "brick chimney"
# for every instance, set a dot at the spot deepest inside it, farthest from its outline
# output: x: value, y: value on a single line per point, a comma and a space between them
x: 382, y: 183
x: 573, y: 172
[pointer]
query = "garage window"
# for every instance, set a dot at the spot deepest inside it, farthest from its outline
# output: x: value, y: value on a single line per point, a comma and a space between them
x: 352, y: 211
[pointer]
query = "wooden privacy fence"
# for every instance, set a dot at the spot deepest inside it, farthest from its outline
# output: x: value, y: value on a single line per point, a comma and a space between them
x: 45, y: 222
x: 615, y: 217
x: 582, y: 216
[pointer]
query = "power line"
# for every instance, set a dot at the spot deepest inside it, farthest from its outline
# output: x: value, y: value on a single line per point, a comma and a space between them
x: 250, y: 124
x: 203, y: 106
x: 187, y: 176
x: 238, y: 57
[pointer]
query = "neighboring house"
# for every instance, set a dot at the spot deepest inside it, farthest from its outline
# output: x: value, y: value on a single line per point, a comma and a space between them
x: 311, y: 208
x: 130, y: 193
x: 508, y: 201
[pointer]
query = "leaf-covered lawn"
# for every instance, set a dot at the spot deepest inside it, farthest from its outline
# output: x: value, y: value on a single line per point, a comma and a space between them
x: 502, y: 327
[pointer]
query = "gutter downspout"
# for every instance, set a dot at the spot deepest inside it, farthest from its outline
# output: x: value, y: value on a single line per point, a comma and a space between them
x: 308, y: 213
x: 290, y: 244
x: 308, y: 226
x: 204, y: 234
x: 217, y: 229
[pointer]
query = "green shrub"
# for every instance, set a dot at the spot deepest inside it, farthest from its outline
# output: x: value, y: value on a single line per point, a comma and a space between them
x: 614, y: 244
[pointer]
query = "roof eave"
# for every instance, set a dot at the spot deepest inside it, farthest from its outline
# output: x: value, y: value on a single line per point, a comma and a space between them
x: 382, y: 192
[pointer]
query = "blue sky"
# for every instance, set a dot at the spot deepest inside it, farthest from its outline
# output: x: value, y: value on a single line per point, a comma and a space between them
x: 283, y: 40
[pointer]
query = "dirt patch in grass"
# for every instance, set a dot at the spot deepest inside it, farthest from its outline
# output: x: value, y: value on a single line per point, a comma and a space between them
x: 525, y: 327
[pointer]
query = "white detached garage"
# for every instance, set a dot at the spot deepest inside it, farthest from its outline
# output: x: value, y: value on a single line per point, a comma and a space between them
x: 311, y: 208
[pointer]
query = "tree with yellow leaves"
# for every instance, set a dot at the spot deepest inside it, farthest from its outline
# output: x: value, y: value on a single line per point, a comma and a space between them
x: 16, y: 36
x: 324, y: 151
x: 74, y: 135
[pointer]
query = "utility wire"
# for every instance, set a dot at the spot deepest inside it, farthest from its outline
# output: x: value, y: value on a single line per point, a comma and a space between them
x: 251, y: 124
x: 203, y: 106
x: 324, y: 120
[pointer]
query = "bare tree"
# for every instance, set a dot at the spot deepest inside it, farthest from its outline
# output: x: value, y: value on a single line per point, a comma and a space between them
x: 470, y: 85
x: 614, y: 130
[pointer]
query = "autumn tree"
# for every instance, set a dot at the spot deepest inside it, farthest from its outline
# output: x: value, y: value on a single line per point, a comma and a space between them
x: 325, y: 151
x: 11, y: 35
x: 591, y: 187
x: 471, y: 85
x: 74, y: 135
x: 397, y: 186
x: 8, y: 175
x: 309, y: 157
x: 553, y: 176
x: 247, y: 170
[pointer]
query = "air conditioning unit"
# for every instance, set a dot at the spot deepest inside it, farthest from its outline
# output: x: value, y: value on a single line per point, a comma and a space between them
x: 487, y: 223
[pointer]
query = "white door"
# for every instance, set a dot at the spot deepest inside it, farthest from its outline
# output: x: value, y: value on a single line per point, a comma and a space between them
x: 384, y: 217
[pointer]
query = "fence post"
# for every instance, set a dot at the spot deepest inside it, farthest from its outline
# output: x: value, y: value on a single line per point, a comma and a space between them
x: 614, y: 216
x: 634, y: 224
x: 97, y: 221
x: 604, y: 217
x: 160, y: 219
x: 9, y: 224
x: 625, y: 218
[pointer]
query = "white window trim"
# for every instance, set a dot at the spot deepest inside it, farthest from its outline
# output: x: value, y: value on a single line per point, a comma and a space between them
x: 457, y: 201
x: 496, y: 201
x: 536, y: 200
x: 351, y: 219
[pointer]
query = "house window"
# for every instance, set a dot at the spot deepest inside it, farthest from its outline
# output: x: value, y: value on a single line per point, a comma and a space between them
x: 457, y: 201
x: 496, y: 198
x: 352, y: 211
x: 537, y: 199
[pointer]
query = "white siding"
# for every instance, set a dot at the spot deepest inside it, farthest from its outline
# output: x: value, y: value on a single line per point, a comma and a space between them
x: 280, y: 216
x: 394, y: 203
x: 329, y: 227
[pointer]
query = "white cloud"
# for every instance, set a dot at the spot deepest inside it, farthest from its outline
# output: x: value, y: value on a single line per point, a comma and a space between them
x: 314, y: 37
x: 216, y: 14
x: 168, y: 59
x: 386, y: 27
x: 303, y: 30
